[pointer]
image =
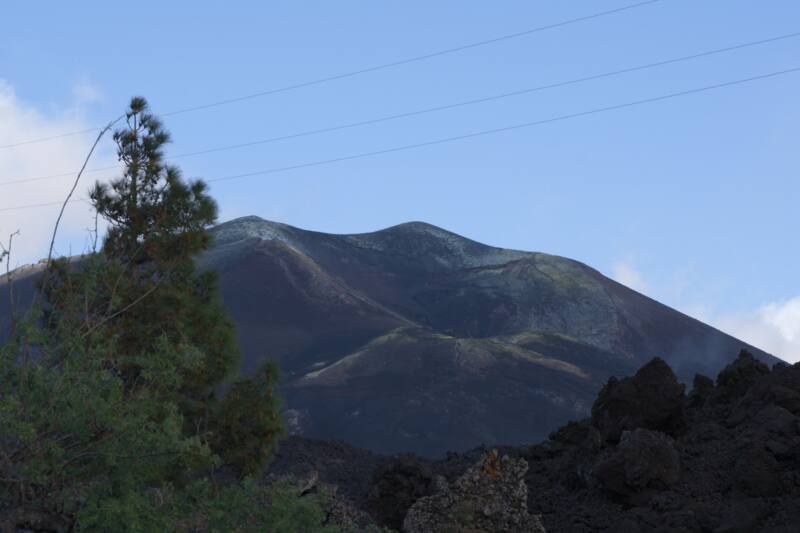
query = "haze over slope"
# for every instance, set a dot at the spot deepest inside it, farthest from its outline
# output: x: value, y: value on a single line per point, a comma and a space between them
x: 413, y: 338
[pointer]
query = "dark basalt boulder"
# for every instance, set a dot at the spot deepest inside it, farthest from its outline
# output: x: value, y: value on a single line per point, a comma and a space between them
x: 702, y: 388
x: 580, y: 435
x: 395, y: 488
x: 743, y: 517
x: 781, y: 388
x: 734, y: 380
x: 642, y: 463
x: 758, y: 473
x: 651, y: 399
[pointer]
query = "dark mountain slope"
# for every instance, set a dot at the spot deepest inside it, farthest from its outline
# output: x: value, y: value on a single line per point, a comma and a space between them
x: 429, y: 391
x: 414, y: 338
x: 310, y: 316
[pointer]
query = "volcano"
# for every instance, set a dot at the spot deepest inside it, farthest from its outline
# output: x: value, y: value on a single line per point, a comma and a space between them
x: 416, y: 339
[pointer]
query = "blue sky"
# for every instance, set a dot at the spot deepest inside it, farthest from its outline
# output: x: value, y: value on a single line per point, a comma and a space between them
x: 690, y: 200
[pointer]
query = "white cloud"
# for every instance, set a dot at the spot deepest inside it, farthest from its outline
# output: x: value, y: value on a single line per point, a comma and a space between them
x: 85, y: 92
x: 774, y: 327
x: 626, y: 273
x: 19, y: 122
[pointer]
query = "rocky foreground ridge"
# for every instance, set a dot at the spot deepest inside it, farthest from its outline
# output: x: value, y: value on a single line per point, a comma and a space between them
x: 723, y: 458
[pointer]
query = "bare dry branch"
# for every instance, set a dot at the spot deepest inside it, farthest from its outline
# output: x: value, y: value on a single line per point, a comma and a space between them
x: 69, y: 196
x: 6, y: 253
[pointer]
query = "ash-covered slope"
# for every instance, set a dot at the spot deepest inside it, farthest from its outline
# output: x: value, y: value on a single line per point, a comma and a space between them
x: 416, y: 339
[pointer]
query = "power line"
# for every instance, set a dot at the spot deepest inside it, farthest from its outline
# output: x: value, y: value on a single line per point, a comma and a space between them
x: 478, y: 133
x: 47, y: 204
x: 416, y: 58
x: 62, y: 175
x: 441, y: 107
x: 506, y: 128
x: 52, y: 137
x: 31, y: 206
x: 359, y: 72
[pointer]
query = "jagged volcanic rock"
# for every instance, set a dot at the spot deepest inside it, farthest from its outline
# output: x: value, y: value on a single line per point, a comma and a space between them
x: 651, y: 399
x: 490, y: 496
x: 644, y: 461
x: 735, y: 465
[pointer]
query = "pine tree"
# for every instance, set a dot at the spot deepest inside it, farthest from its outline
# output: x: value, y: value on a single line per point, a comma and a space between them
x: 155, y: 217
x: 107, y: 409
x: 157, y: 225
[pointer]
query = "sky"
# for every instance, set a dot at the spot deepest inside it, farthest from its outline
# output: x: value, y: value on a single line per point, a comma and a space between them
x: 691, y: 200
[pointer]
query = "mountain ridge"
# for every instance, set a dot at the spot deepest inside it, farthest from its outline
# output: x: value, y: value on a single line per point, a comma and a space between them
x: 420, y: 340
x: 404, y: 386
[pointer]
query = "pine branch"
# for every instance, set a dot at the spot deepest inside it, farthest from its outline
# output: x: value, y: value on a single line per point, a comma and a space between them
x: 127, y: 307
